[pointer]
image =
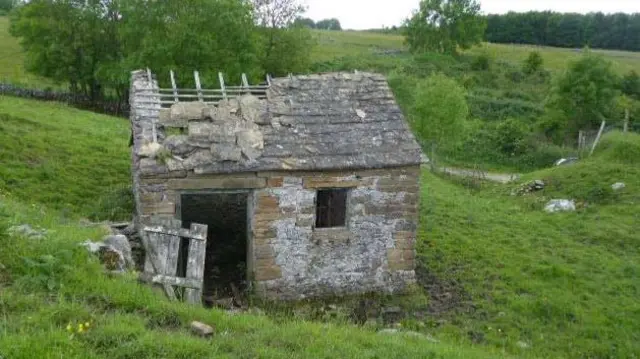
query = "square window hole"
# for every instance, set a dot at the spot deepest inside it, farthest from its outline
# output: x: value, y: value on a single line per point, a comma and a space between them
x: 331, y: 208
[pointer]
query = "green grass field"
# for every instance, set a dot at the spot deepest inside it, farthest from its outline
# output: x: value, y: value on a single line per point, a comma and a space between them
x: 48, y: 284
x: 333, y: 44
x: 504, y: 278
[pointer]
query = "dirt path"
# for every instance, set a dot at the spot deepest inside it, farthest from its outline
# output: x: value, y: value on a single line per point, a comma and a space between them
x: 494, y: 177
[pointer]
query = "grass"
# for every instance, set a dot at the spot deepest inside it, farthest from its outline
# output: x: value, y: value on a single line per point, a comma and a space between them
x: 12, y: 58
x: 503, y: 278
x: 557, y: 59
x: 562, y: 284
x: 71, y: 160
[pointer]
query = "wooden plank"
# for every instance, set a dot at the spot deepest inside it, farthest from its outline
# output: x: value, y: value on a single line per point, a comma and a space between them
x: 173, y: 248
x: 245, y: 83
x: 175, y: 281
x: 174, y: 87
x: 153, y: 244
x: 224, y: 91
x: 196, y: 76
x: 182, y: 232
x: 195, y: 263
x: 595, y: 143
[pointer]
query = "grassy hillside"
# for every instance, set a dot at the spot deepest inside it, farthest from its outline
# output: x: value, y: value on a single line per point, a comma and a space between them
x: 48, y: 284
x: 560, y: 285
x: 73, y: 161
x: 503, y: 277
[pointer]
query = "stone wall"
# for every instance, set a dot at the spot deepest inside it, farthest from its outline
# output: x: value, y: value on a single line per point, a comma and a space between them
x: 288, y: 257
x: 375, y: 251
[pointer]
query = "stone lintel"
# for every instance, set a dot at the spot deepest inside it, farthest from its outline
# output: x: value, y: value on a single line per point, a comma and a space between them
x: 217, y: 183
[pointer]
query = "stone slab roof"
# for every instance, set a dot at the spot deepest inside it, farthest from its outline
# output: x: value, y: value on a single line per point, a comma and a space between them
x: 331, y: 121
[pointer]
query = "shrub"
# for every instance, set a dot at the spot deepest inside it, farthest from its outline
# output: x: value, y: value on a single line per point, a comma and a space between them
x: 481, y: 62
x: 439, y: 110
x: 533, y: 63
x: 510, y: 137
x: 631, y: 85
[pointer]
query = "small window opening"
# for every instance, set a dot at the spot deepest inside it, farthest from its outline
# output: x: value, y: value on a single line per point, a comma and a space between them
x: 331, y: 208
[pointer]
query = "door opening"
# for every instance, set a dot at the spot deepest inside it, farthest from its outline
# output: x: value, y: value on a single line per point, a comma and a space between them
x: 225, y: 214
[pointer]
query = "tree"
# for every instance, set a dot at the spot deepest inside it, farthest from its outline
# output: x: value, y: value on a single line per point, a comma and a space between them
x: 68, y: 41
x: 285, y: 47
x: 533, y: 63
x: 329, y: 24
x: 631, y: 85
x: 276, y: 13
x: 444, y: 26
x: 7, y: 5
x: 94, y: 44
x: 585, y: 95
x: 304, y: 22
x: 440, y: 110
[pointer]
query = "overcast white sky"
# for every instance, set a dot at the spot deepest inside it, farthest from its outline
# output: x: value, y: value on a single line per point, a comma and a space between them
x: 365, y: 14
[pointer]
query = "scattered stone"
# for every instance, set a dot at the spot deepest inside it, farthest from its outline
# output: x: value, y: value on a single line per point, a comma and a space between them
x: 250, y: 106
x: 201, y: 329
x: 533, y: 186
x: 179, y: 145
x: 226, y: 152
x: 185, y: 111
x: 566, y: 161
x: 111, y: 258
x: 27, y: 231
x: 522, y: 344
x: 120, y: 243
x: 361, y: 114
x: 251, y: 142
x: 618, y: 186
x: 560, y: 205
x: 149, y: 150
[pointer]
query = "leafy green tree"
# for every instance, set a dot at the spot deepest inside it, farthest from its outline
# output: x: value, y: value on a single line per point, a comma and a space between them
x: 68, y: 40
x: 444, y: 26
x: 284, y: 47
x: 329, y: 24
x: 94, y: 44
x: 305, y: 22
x: 533, y: 63
x: 585, y: 95
x: 631, y: 85
x: 439, y: 110
x: 7, y: 5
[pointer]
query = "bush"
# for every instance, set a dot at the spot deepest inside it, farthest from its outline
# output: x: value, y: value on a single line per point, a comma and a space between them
x: 533, y: 63
x: 439, y: 110
x: 481, y: 62
x: 491, y: 108
x: 510, y: 137
x: 631, y: 85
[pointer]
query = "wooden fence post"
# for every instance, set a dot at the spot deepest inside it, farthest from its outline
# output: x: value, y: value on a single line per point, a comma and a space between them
x: 595, y: 143
x: 626, y: 120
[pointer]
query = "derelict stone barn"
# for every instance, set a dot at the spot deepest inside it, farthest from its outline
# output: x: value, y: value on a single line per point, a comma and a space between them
x: 311, y: 189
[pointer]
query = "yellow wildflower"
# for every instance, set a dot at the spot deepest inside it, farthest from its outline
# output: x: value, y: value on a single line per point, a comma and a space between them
x: 87, y: 325
x: 80, y: 328
x: 69, y: 327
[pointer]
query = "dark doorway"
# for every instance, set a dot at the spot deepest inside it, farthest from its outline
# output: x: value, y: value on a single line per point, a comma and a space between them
x: 225, y: 214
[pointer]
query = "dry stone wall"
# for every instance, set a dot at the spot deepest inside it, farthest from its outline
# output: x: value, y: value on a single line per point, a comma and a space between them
x: 375, y: 251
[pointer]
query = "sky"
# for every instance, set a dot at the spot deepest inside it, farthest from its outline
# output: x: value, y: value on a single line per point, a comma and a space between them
x: 366, y: 14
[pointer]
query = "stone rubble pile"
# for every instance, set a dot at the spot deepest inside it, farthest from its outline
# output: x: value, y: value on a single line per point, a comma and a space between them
x: 228, y: 132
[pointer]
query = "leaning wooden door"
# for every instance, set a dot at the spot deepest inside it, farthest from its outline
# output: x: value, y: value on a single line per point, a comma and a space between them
x: 161, y: 241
